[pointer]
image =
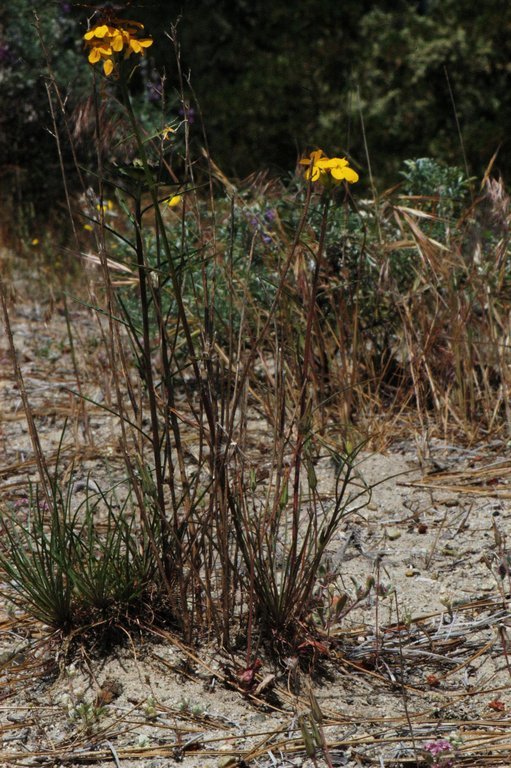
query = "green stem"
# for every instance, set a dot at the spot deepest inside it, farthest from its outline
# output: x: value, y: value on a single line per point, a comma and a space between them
x: 148, y: 375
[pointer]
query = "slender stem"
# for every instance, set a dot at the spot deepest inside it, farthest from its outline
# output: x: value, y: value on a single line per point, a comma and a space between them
x: 147, y: 367
x: 34, y: 437
x: 303, y: 427
x: 176, y: 286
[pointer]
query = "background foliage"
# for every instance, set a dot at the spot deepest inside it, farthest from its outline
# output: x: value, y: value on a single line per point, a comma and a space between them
x: 271, y: 82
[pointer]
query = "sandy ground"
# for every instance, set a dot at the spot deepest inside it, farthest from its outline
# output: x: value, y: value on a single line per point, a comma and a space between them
x: 422, y: 658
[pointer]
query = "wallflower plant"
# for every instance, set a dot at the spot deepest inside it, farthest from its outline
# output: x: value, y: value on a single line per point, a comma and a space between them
x: 173, y: 337
x: 106, y: 41
x: 329, y: 171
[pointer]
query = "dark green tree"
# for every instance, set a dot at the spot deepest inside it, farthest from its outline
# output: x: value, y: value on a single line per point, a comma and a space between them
x: 272, y: 81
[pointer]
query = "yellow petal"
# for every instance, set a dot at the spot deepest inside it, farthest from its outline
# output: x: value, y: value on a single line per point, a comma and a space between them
x: 313, y: 173
x: 138, y: 45
x: 313, y: 158
x: 108, y: 67
x: 101, y: 31
x: 323, y: 163
x: 174, y: 201
x: 118, y: 43
x: 346, y: 173
x: 94, y: 56
x: 334, y: 162
x: 351, y: 176
x: 317, y: 154
x: 89, y: 35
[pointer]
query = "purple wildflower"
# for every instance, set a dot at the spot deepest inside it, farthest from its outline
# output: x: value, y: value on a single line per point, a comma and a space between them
x: 188, y: 113
x: 153, y: 92
x: 154, y: 87
x: 436, y: 749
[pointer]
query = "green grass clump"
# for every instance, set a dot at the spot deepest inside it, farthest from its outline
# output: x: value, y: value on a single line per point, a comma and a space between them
x: 73, y: 564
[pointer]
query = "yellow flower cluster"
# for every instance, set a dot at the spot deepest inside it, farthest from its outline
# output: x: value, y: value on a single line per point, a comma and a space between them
x: 328, y: 171
x: 106, y: 41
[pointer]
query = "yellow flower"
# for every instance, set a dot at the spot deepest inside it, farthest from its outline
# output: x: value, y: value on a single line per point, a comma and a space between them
x: 35, y: 241
x: 329, y: 171
x: 313, y: 172
x: 339, y: 169
x: 100, y: 30
x: 106, y: 41
x: 166, y: 132
x: 174, y: 201
x: 137, y: 46
x: 106, y: 206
